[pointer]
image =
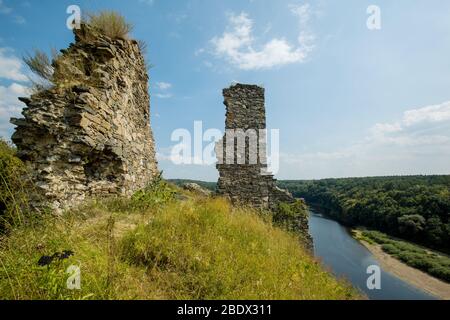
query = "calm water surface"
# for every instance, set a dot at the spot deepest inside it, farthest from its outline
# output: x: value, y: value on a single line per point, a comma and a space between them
x: 347, y: 258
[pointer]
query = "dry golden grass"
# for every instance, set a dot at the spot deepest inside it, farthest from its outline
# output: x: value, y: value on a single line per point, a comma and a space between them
x: 155, y: 247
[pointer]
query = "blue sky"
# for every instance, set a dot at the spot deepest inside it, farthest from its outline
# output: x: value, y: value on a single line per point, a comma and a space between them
x: 348, y: 101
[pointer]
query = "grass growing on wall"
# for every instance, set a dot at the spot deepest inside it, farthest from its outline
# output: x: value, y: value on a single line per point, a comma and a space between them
x: 193, y: 248
x: 110, y: 23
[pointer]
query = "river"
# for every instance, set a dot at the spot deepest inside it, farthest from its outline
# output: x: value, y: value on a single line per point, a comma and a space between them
x: 347, y: 258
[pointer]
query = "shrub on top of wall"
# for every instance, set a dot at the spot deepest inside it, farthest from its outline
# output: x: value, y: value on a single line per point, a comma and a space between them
x: 110, y: 23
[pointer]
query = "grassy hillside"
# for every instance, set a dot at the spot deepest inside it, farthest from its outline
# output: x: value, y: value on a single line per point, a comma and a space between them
x: 162, y: 244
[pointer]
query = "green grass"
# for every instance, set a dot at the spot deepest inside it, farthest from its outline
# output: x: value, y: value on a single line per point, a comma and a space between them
x: 433, y: 263
x: 15, y: 188
x: 154, y: 246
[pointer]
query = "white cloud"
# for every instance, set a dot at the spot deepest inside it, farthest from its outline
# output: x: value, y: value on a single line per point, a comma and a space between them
x: 10, y: 106
x: 302, y: 11
x: 238, y: 44
x: 418, y: 143
x: 163, y: 95
x: 433, y: 114
x: 163, y: 85
x: 11, y: 66
x: 422, y: 126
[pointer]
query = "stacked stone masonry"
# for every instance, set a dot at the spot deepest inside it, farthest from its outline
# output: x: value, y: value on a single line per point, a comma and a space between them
x: 90, y: 135
x: 245, y: 180
x: 247, y: 183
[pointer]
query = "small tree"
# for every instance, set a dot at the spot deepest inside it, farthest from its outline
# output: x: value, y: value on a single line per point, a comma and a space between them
x: 411, y: 225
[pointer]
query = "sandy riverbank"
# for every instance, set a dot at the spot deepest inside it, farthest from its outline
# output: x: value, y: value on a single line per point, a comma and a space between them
x: 411, y: 275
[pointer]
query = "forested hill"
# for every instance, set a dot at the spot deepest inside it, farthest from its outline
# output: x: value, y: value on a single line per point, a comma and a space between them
x: 415, y: 208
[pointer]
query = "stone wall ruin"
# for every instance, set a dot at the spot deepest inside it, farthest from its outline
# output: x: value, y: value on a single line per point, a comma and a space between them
x: 243, y: 175
x: 89, y: 134
x: 243, y: 180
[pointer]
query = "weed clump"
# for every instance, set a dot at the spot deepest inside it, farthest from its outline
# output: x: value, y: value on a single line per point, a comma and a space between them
x: 155, y: 195
x: 111, y: 24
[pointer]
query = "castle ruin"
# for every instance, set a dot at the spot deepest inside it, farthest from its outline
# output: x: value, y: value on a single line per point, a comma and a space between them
x: 243, y: 174
x: 89, y: 134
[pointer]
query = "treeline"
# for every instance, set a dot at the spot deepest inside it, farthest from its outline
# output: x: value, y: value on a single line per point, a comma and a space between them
x: 415, y: 208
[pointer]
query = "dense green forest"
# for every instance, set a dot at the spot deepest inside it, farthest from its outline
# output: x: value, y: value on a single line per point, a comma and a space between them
x: 415, y: 208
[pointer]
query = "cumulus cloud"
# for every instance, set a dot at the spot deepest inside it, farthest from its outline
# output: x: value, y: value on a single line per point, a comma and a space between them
x: 10, y: 106
x: 418, y: 143
x: 239, y: 46
x: 11, y: 72
x: 11, y: 66
x: 423, y: 126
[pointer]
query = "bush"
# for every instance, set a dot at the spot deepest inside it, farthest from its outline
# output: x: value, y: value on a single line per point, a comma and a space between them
x: 40, y: 63
x: 433, y: 263
x: 390, y: 248
x: 377, y: 236
x: 42, y: 66
x: 111, y: 24
x: 291, y: 215
x: 14, y: 187
x: 416, y: 260
x: 155, y: 195
x: 440, y: 272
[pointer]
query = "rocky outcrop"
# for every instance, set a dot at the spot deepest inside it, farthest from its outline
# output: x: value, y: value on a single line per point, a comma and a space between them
x: 90, y: 135
x: 194, y: 187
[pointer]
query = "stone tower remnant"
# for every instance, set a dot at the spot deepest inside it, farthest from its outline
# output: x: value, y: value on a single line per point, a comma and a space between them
x: 89, y: 134
x: 243, y: 175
